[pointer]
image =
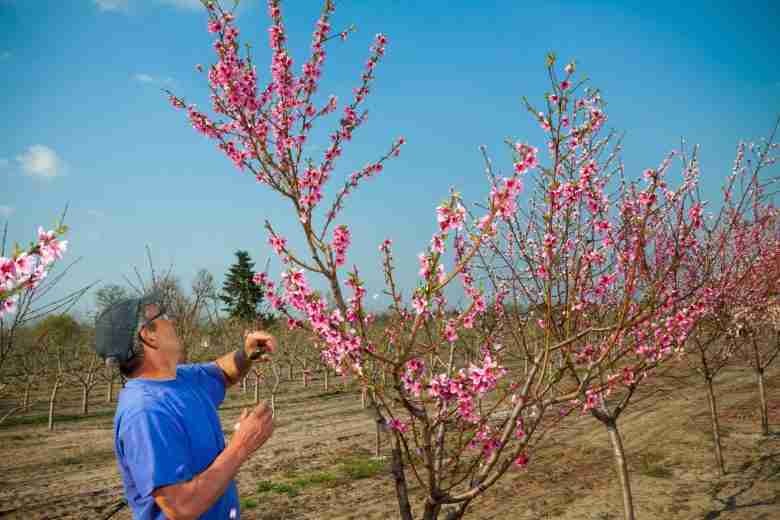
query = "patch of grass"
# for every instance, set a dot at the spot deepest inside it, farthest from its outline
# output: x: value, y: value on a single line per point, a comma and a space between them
x: 71, y: 460
x: 248, y: 503
x: 320, y: 477
x: 653, y: 465
x: 265, y: 486
x: 357, y: 468
x: 293, y: 488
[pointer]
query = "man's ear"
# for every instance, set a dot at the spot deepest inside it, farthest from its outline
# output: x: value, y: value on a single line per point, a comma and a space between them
x: 149, y: 337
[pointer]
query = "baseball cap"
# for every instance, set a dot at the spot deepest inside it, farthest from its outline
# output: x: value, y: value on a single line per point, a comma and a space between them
x: 116, y: 327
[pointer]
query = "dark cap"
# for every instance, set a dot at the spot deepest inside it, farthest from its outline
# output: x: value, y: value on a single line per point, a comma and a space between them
x: 116, y: 327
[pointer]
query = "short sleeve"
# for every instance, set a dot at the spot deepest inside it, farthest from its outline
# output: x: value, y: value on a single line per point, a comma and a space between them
x: 155, y: 451
x: 212, y: 380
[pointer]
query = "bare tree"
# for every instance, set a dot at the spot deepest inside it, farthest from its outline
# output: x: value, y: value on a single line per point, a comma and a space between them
x: 82, y: 366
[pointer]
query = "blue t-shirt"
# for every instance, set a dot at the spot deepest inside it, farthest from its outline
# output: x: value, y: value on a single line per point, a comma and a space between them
x: 166, y: 432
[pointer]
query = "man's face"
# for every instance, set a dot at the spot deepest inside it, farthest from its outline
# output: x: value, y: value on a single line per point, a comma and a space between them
x: 164, y: 337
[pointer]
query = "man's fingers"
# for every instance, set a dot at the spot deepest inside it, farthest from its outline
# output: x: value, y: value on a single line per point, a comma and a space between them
x: 262, y: 410
x: 262, y: 340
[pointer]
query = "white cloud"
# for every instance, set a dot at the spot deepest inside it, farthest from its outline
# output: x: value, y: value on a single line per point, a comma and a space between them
x: 124, y: 5
x: 95, y: 213
x: 111, y: 5
x: 6, y: 211
x: 184, y: 4
x: 142, y: 77
x: 41, y: 161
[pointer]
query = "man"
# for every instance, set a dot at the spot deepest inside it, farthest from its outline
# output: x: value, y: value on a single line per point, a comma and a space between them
x: 167, y: 435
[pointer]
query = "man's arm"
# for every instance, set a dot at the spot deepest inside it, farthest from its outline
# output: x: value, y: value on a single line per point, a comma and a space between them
x: 236, y: 364
x: 189, y: 500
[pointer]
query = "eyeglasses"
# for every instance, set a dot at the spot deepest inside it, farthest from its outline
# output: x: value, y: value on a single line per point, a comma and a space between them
x: 160, y: 315
x: 163, y: 314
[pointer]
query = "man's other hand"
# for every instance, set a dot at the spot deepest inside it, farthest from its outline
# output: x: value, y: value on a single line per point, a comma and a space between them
x: 253, y: 428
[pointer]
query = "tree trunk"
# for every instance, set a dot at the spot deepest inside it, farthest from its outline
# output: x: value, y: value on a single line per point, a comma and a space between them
x: 257, y: 389
x: 290, y: 372
x: 9, y: 413
x: 715, y: 428
x: 110, y: 391
x: 431, y: 511
x: 458, y: 512
x: 53, y: 398
x: 273, y: 405
x: 621, y: 467
x: 84, y: 400
x: 401, y: 491
x: 327, y: 378
x: 378, y: 439
x: 243, y: 384
x: 26, y: 398
x: 763, y: 403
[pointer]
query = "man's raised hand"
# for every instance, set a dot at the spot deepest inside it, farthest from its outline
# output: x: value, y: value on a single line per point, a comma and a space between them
x: 258, y: 344
x: 253, y: 429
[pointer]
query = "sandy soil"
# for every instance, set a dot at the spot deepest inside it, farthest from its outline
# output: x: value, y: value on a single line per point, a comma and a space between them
x: 71, y: 473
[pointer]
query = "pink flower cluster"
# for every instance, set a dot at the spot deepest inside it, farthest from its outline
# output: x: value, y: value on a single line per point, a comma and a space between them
x: 450, y: 216
x: 526, y: 158
x: 504, y: 198
x: 343, y: 346
x: 26, y: 270
x: 466, y: 386
x: 341, y: 241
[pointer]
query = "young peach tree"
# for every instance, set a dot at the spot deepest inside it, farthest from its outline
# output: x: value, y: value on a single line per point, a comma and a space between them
x: 441, y: 378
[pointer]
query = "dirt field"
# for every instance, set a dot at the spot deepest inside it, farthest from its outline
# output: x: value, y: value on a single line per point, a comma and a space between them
x: 319, y: 462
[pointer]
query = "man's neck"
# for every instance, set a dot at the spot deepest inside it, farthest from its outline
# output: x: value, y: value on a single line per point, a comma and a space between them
x: 150, y: 371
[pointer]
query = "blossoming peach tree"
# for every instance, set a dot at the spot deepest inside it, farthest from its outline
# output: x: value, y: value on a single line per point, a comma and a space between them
x: 591, y: 267
x: 26, y: 268
x: 465, y: 391
x: 729, y: 265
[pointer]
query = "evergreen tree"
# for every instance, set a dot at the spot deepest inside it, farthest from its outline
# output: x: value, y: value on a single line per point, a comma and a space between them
x: 242, y: 298
x: 108, y: 295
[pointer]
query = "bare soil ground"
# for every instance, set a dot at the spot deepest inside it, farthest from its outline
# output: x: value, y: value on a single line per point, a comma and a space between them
x: 319, y: 462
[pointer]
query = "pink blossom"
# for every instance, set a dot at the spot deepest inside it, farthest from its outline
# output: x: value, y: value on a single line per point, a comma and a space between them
x: 8, y: 305
x: 450, y: 332
x: 522, y: 460
x: 419, y: 303
x: 397, y: 425
x: 259, y: 279
x: 7, y: 269
x: 450, y: 217
x: 278, y: 243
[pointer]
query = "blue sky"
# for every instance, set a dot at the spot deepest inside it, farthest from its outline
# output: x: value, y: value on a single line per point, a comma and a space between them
x: 85, y: 122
